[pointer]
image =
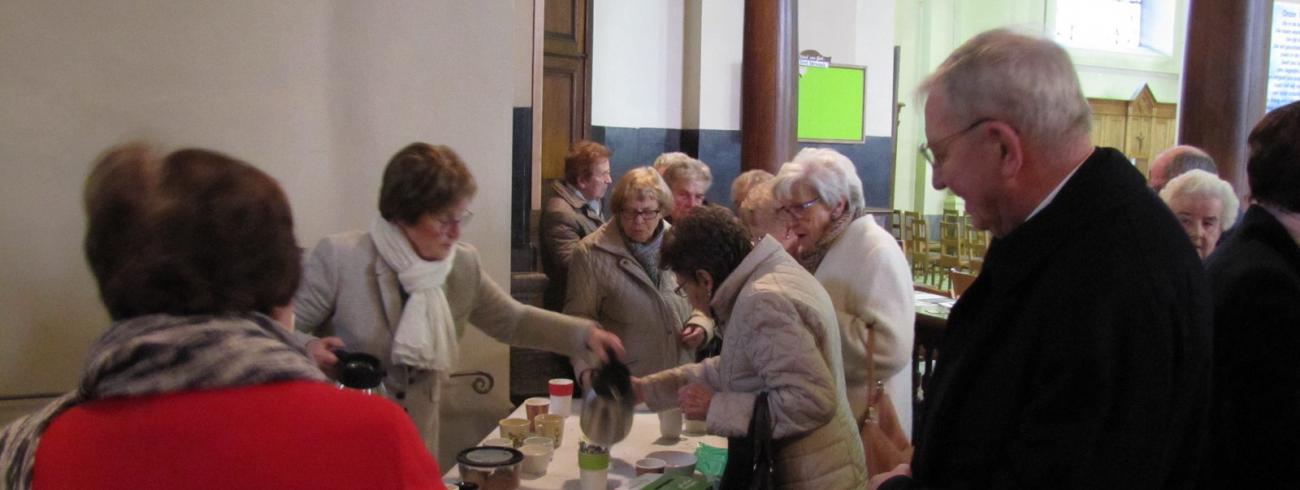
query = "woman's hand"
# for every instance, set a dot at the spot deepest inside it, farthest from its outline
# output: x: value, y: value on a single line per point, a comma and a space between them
x: 638, y: 389
x: 321, y: 352
x: 900, y: 470
x: 691, y: 337
x: 600, y: 341
x: 694, y: 400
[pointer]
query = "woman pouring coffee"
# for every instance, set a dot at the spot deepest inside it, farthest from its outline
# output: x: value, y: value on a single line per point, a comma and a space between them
x: 405, y: 289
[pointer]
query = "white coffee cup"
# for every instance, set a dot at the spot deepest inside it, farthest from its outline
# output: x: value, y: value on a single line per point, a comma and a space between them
x: 536, y: 459
x: 695, y: 427
x: 499, y: 442
x: 670, y: 423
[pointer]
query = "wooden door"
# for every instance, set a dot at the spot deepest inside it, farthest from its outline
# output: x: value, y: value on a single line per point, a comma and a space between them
x: 566, y: 81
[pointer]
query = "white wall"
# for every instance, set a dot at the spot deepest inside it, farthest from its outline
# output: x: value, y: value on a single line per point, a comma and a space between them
x: 643, y: 56
x: 636, y: 74
x: 318, y: 94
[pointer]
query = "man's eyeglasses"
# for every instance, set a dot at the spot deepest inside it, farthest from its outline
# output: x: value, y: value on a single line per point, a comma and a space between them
x: 462, y: 220
x: 927, y: 149
x: 796, y: 210
x: 640, y: 214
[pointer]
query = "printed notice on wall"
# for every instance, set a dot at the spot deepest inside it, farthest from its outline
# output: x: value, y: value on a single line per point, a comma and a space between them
x: 1284, y: 60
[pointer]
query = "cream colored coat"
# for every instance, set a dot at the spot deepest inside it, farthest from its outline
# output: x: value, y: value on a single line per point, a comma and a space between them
x: 778, y: 335
x: 348, y: 291
x: 607, y: 284
x: 870, y: 283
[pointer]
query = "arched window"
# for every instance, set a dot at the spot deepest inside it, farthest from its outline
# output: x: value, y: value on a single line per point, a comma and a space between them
x: 1115, y: 25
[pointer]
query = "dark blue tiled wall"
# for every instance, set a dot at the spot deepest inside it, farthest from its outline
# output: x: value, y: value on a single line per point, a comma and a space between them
x: 720, y: 149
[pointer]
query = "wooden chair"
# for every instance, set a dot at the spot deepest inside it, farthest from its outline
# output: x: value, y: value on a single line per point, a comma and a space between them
x: 960, y: 281
x: 952, y: 247
x: 977, y: 244
x: 918, y: 247
x: 925, y: 352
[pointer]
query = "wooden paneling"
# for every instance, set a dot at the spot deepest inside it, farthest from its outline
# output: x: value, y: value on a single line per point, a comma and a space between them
x: 1141, y: 127
x: 561, y: 113
x: 565, y: 27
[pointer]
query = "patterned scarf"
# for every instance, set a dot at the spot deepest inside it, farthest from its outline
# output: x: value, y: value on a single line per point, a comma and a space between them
x: 811, y: 259
x: 647, y: 254
x: 157, y: 354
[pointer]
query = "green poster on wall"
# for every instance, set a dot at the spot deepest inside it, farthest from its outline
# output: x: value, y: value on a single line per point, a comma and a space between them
x: 831, y: 103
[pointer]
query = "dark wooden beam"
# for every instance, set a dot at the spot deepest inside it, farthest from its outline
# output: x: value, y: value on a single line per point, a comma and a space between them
x: 1225, y: 80
x: 769, y: 78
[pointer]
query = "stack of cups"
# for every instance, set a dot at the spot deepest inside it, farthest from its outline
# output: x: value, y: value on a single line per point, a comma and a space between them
x: 593, y: 461
x: 561, y: 390
x: 532, y: 408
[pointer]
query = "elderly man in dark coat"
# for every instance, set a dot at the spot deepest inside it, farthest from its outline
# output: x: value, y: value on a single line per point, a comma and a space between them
x: 572, y: 211
x: 1080, y: 357
x: 1255, y: 280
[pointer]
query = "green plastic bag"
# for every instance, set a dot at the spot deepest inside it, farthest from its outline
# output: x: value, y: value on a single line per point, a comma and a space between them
x: 710, y: 461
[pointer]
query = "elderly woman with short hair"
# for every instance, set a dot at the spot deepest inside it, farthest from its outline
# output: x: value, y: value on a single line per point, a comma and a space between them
x: 616, y: 279
x: 746, y: 181
x: 688, y: 179
x: 762, y: 216
x: 406, y: 289
x: 1205, y: 205
x: 781, y: 338
x: 196, y: 383
x: 860, y: 265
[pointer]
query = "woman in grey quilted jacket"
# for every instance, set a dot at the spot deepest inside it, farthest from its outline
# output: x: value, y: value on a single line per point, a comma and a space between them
x: 780, y: 336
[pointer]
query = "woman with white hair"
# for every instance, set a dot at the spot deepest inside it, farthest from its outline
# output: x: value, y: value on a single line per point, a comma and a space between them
x: 862, y: 268
x: 688, y: 179
x: 1205, y: 205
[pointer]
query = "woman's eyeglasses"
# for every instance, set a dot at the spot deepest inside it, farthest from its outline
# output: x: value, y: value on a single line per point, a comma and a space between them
x: 796, y: 210
x: 461, y: 220
x: 640, y: 214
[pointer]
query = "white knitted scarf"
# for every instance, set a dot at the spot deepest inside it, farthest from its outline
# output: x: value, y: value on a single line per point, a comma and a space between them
x: 426, y: 334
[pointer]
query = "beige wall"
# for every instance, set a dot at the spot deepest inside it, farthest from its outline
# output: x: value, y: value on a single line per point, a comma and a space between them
x: 319, y: 94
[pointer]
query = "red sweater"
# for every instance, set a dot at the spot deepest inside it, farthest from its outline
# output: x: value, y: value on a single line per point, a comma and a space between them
x: 299, y: 434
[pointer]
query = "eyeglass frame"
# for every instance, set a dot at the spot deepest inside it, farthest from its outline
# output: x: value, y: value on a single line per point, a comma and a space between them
x: 644, y: 215
x: 927, y: 149
x: 461, y: 220
x: 795, y: 211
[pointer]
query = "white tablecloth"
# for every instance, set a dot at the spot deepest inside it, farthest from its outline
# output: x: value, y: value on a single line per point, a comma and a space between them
x: 563, y: 471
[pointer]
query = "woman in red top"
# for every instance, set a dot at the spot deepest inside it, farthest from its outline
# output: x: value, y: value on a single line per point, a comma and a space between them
x: 194, y: 385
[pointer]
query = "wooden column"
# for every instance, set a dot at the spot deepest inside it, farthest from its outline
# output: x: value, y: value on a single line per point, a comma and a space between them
x: 1225, y: 80
x: 769, y: 77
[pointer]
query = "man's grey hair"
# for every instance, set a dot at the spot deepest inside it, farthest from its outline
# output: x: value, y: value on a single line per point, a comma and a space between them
x: 1025, y: 81
x: 740, y: 188
x: 1199, y: 184
x: 827, y: 172
x: 679, y: 167
x: 1190, y: 158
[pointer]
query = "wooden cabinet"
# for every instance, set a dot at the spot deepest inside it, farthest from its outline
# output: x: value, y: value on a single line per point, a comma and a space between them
x: 1141, y: 127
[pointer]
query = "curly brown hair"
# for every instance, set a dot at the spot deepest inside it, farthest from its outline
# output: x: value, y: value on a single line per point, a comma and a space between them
x: 710, y: 238
x: 193, y: 233
x: 423, y: 178
x: 582, y: 157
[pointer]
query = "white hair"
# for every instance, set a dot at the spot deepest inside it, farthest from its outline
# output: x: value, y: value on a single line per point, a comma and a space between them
x: 677, y: 167
x: 1198, y: 183
x: 827, y: 172
x: 745, y: 182
x: 1025, y: 81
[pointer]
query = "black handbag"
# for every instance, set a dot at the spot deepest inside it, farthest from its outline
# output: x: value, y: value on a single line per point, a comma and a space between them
x: 749, y: 458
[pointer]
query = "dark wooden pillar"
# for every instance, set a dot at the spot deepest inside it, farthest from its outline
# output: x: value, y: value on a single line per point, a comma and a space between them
x: 1225, y: 80
x: 769, y: 74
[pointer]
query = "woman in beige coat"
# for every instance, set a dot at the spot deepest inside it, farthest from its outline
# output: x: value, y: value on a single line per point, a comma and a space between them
x: 405, y: 290
x: 615, y: 279
x: 779, y: 336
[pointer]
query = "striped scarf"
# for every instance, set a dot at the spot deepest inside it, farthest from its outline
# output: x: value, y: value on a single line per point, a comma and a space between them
x: 157, y: 354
